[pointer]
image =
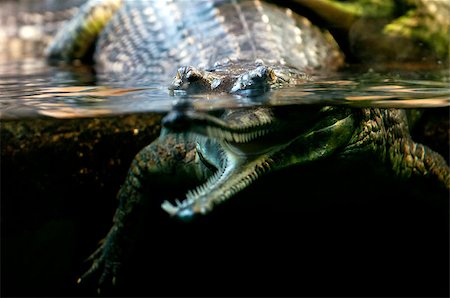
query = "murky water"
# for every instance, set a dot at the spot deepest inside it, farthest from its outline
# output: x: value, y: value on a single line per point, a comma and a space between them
x: 32, y: 88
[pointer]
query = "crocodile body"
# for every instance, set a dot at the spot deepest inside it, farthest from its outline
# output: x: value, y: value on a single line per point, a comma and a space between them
x: 162, y: 35
x: 249, y: 47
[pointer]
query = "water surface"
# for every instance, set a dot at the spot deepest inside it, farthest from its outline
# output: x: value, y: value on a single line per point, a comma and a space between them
x: 32, y: 88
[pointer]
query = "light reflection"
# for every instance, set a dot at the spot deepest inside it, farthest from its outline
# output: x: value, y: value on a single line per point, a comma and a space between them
x: 33, y: 88
x: 75, y: 91
x: 68, y: 112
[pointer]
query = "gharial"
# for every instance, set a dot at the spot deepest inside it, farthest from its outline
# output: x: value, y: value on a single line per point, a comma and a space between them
x: 238, y: 47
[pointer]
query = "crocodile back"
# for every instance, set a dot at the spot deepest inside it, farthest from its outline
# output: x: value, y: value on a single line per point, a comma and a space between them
x: 159, y: 36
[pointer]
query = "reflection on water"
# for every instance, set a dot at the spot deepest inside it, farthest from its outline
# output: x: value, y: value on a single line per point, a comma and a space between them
x: 32, y: 88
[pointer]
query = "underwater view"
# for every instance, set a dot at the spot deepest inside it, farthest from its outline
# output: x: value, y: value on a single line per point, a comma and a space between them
x: 225, y: 148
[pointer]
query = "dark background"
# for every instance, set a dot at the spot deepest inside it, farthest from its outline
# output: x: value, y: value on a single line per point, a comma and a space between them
x: 327, y: 229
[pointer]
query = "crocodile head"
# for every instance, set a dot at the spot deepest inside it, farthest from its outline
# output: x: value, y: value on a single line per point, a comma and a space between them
x: 245, y: 143
x: 235, y: 77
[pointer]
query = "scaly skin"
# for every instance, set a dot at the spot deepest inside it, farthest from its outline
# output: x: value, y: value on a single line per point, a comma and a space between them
x: 139, y: 39
x: 406, y: 22
x: 255, y: 141
x: 171, y: 159
x: 225, y: 154
x: 75, y: 42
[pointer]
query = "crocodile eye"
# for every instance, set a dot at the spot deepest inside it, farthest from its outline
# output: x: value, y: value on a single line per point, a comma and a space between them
x: 189, y: 75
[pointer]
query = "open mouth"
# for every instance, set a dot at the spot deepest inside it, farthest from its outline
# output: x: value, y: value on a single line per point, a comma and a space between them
x: 248, y: 143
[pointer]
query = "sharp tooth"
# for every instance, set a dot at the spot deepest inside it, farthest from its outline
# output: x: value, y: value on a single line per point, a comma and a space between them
x: 217, y: 133
x: 229, y: 136
x: 191, y: 193
x: 169, y: 208
x: 195, y: 192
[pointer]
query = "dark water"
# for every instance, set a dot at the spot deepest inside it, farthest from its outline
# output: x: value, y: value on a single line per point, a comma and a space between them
x: 329, y: 229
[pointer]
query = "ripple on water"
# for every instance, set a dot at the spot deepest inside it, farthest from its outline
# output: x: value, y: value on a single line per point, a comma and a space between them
x: 32, y: 88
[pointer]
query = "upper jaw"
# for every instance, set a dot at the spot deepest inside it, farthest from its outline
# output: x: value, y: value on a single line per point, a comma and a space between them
x: 249, y: 130
x: 181, y: 121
